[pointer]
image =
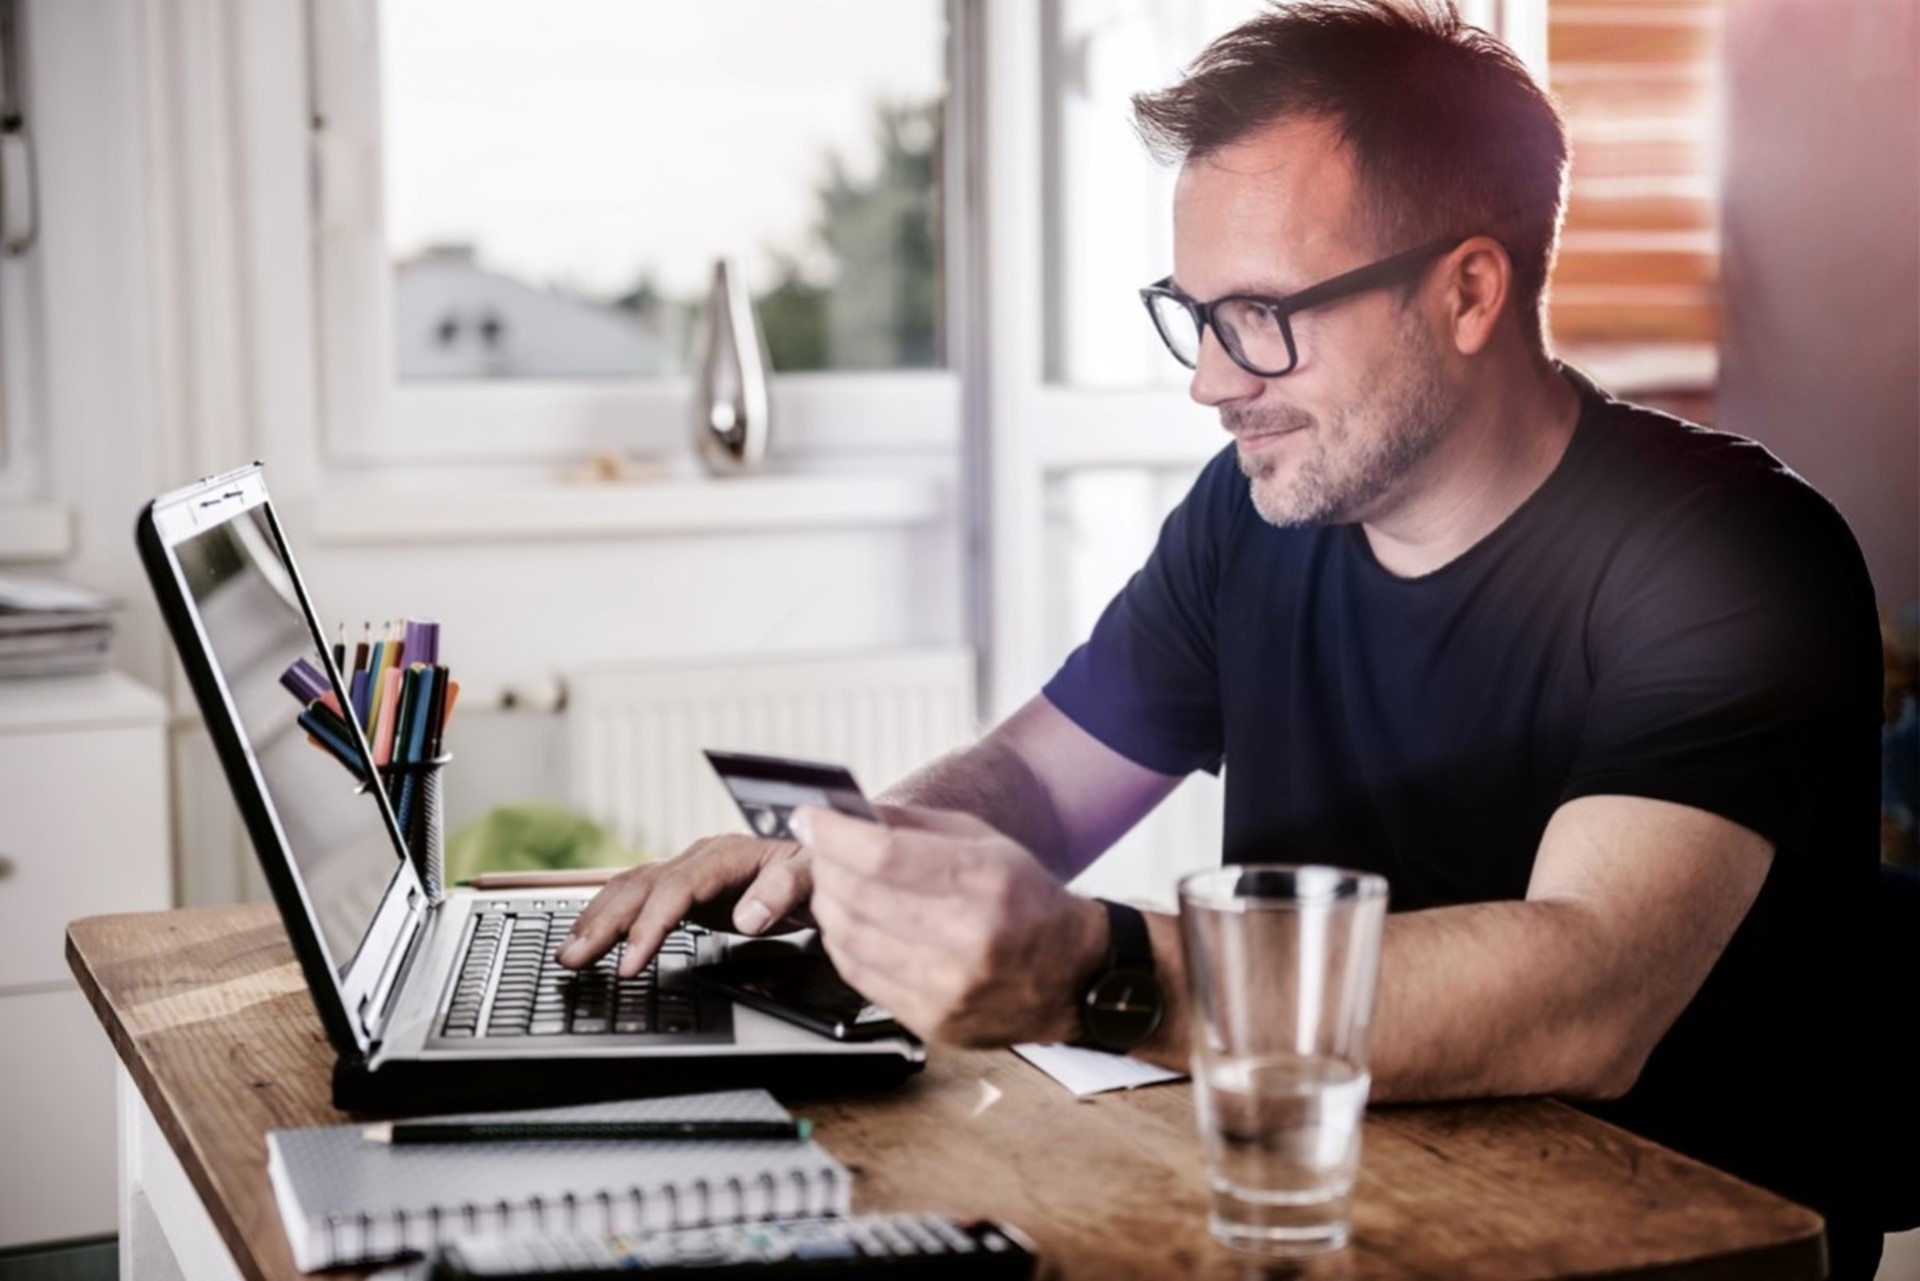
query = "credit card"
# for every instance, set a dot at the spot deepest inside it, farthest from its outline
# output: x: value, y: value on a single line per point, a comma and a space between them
x: 769, y: 788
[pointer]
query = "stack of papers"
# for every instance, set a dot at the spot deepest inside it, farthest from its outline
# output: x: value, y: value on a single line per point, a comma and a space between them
x: 346, y: 1197
x: 52, y: 629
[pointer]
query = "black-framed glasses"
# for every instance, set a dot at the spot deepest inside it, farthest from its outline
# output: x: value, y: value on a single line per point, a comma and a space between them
x: 1257, y: 331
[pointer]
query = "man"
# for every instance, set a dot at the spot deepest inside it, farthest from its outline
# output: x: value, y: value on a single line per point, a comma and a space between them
x: 1596, y: 690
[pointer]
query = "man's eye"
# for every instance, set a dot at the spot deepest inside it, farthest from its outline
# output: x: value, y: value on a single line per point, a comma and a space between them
x: 1259, y: 316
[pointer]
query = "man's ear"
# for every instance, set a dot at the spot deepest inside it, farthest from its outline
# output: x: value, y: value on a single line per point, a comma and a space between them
x: 1479, y: 291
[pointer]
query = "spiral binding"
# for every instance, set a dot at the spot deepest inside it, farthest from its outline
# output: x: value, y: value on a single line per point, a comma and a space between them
x: 354, y: 1239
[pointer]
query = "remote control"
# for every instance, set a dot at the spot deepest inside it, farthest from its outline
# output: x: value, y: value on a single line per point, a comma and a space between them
x: 918, y: 1245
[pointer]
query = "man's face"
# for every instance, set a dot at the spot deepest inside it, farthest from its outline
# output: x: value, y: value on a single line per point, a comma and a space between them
x: 1342, y: 437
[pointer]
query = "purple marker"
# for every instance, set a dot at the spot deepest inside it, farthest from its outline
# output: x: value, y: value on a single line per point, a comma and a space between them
x: 423, y: 641
x: 304, y: 681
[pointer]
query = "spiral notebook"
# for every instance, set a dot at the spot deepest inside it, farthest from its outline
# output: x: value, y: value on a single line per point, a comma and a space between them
x: 348, y: 1199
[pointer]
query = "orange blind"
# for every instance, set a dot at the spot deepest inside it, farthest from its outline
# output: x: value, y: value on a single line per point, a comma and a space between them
x: 1638, y: 83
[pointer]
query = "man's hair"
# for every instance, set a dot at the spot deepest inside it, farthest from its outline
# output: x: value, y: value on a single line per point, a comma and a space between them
x: 1447, y: 131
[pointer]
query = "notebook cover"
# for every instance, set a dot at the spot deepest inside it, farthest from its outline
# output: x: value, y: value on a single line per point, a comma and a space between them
x: 347, y: 1199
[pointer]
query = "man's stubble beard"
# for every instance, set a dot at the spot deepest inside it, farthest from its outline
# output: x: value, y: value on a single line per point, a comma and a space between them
x: 1349, y: 471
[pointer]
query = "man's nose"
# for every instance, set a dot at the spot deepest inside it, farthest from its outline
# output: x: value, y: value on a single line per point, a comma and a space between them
x: 1217, y: 380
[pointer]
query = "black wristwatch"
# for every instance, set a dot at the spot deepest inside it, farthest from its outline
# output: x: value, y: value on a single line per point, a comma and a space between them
x: 1123, y: 1005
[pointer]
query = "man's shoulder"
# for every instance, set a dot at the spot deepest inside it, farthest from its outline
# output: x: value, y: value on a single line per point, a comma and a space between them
x: 1673, y: 467
x: 1664, y: 445
x: 1717, y: 509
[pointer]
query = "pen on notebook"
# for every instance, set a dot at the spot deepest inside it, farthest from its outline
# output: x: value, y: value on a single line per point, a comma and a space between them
x: 402, y: 1132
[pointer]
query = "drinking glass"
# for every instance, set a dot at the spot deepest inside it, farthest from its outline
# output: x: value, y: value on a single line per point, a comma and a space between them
x: 1281, y: 967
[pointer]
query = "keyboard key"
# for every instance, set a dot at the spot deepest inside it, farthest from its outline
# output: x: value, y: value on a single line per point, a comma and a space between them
x: 927, y: 1242
x: 892, y: 1237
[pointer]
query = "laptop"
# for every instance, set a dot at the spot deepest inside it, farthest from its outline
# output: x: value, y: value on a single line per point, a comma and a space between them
x: 458, y: 1004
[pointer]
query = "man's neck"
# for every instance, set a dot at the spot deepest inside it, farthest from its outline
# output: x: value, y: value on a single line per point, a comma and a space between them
x: 1506, y: 443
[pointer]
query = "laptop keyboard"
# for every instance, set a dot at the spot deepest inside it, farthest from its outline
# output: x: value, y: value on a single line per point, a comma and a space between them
x: 511, y: 986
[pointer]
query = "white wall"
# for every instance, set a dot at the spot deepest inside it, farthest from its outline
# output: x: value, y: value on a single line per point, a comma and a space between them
x: 1820, y: 358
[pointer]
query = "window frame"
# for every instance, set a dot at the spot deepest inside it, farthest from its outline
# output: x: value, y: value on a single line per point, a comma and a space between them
x: 368, y: 417
x: 22, y: 404
x: 22, y: 467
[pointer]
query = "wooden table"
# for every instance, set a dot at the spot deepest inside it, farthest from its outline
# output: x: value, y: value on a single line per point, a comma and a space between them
x: 219, y: 1044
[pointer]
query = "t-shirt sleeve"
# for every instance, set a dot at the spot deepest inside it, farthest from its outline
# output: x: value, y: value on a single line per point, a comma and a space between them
x: 1146, y: 682
x: 1733, y: 647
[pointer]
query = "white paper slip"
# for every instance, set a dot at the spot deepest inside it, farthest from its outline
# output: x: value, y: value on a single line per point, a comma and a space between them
x: 1094, y: 1071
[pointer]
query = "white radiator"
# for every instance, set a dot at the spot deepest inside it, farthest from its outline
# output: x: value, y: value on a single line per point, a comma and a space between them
x: 634, y: 735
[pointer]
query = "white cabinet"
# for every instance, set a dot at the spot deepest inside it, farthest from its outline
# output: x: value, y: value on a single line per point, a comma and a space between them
x: 84, y: 830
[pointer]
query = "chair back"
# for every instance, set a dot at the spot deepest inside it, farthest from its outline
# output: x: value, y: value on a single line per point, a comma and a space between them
x: 1897, y: 972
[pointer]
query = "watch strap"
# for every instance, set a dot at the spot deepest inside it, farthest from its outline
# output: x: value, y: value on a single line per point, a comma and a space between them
x: 1129, y: 946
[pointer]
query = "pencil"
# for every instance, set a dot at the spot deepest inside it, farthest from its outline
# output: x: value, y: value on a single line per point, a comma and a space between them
x: 402, y: 1132
x: 542, y: 879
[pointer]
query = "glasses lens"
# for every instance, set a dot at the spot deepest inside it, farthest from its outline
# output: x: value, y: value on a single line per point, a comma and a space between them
x: 1176, y: 327
x: 1255, y: 333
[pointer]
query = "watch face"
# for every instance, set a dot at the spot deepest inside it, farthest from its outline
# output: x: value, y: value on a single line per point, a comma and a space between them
x: 1122, y: 1008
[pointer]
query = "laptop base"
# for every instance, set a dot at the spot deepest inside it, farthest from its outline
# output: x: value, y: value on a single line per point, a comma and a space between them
x: 422, y: 1087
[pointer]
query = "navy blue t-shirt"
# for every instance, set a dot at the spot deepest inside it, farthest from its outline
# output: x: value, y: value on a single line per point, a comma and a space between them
x: 1672, y: 614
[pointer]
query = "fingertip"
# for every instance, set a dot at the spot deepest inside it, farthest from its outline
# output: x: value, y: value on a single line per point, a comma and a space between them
x: 751, y: 916
x: 800, y: 823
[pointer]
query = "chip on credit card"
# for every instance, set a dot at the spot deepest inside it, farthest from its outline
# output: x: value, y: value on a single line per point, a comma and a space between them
x: 769, y: 788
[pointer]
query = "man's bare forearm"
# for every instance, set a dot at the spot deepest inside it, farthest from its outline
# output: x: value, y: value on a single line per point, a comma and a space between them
x: 1484, y: 1000
x: 1493, y: 999
x: 990, y: 781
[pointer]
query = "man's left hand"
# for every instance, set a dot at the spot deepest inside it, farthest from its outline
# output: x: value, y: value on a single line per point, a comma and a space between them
x: 952, y: 927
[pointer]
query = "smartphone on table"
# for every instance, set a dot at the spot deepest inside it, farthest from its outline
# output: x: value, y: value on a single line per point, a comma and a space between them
x: 793, y: 980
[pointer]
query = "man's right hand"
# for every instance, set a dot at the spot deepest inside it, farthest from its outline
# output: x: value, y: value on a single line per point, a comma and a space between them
x: 740, y: 883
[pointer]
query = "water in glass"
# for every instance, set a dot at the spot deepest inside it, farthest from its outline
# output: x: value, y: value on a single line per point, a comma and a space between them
x: 1282, y: 1134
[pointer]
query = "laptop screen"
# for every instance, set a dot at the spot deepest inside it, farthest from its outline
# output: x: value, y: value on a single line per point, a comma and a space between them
x: 256, y: 629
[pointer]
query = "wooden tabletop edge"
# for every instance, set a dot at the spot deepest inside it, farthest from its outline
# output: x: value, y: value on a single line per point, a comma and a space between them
x: 1811, y: 1224
x: 159, y: 1106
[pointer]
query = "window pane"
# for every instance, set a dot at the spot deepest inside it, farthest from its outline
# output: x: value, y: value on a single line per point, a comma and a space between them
x: 1640, y: 255
x: 1109, y: 205
x: 561, y: 178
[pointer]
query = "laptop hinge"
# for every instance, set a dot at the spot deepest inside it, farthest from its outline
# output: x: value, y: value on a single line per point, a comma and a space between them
x: 377, y: 1005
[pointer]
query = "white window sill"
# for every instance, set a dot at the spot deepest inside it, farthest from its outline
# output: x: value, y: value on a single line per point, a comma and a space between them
x: 556, y: 510
x: 35, y: 531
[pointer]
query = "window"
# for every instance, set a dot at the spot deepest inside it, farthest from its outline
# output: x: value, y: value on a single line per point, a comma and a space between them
x: 1639, y: 87
x: 518, y: 226
x: 19, y: 413
x: 1108, y: 209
